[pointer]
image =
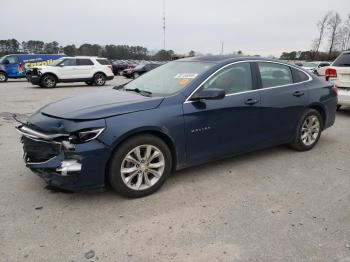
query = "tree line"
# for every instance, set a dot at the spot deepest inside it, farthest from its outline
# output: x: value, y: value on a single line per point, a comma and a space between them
x: 11, y: 46
x: 333, y: 37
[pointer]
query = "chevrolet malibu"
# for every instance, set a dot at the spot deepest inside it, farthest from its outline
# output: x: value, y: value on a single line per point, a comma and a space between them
x: 181, y: 114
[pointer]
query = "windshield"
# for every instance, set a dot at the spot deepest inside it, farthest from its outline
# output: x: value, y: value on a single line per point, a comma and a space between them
x: 308, y: 64
x: 342, y: 60
x: 57, y: 62
x: 169, y: 78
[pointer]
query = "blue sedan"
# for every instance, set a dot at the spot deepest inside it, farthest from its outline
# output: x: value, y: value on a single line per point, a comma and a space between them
x: 181, y: 114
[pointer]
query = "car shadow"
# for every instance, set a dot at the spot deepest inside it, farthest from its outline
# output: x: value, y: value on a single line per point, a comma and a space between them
x: 199, y: 171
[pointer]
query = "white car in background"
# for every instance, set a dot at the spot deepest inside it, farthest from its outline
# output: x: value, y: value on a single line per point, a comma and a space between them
x: 318, y: 68
x: 91, y: 70
x: 339, y: 74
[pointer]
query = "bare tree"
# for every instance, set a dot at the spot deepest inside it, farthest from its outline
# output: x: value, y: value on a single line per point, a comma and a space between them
x: 322, y: 26
x: 345, y: 34
x: 334, y: 24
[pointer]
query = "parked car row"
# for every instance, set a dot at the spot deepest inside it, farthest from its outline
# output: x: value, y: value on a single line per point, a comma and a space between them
x: 48, y: 70
x: 139, y: 70
x: 120, y: 65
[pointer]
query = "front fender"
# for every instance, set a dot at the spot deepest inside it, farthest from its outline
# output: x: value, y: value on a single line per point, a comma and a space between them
x: 167, y: 122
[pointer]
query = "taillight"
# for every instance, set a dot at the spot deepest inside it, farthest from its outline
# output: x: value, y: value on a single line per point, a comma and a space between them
x: 330, y: 72
x: 335, y: 89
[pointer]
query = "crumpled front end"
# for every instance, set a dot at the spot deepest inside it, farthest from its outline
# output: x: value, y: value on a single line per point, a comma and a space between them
x: 61, y: 162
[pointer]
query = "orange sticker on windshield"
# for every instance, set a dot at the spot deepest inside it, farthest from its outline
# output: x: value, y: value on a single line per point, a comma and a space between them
x: 184, y: 81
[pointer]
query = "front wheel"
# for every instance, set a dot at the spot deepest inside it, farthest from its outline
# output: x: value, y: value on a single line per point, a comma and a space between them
x: 99, y: 79
x: 48, y: 81
x: 140, y: 166
x: 308, y: 131
x: 3, y: 77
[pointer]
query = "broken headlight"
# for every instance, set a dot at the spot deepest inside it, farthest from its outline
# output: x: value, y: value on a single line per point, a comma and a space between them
x: 85, y: 135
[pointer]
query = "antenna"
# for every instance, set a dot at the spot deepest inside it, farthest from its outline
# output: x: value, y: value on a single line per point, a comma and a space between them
x: 164, y: 24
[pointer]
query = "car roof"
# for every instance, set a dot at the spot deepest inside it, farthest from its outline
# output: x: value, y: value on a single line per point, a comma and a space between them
x: 218, y: 59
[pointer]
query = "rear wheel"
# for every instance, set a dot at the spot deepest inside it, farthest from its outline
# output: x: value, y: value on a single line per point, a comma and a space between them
x: 99, y: 79
x: 308, y: 131
x: 140, y: 166
x: 3, y: 77
x: 48, y: 81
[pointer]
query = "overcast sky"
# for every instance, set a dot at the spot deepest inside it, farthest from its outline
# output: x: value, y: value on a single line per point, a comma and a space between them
x: 253, y: 26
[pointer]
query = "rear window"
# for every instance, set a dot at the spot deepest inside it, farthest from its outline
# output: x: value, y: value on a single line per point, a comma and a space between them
x: 103, y: 61
x: 299, y: 76
x: 84, y: 62
x: 273, y: 74
x: 342, y: 60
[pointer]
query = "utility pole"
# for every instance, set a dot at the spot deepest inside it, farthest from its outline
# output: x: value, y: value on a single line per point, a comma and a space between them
x: 222, y: 48
x: 164, y: 25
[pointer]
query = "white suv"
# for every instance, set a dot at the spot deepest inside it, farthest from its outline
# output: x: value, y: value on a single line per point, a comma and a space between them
x: 91, y: 70
x: 339, y: 74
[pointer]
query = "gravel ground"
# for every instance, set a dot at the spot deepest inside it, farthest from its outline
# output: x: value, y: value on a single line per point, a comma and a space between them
x: 271, y: 205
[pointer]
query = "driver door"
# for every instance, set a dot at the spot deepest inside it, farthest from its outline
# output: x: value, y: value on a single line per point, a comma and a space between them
x: 68, y: 69
x: 215, y: 128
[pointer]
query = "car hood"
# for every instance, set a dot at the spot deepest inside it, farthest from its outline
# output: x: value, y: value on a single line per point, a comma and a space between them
x: 101, y: 104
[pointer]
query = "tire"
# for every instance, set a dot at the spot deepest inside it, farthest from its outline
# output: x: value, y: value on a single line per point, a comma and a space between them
x: 136, y: 75
x: 308, y: 131
x: 338, y: 107
x: 48, y: 81
x: 3, y: 77
x: 99, y: 79
x: 89, y: 83
x: 136, y: 180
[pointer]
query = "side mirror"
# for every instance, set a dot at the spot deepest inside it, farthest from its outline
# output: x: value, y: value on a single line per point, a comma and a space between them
x: 5, y: 62
x: 209, y: 94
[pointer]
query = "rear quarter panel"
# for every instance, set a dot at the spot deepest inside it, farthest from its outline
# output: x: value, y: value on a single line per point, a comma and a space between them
x: 321, y: 96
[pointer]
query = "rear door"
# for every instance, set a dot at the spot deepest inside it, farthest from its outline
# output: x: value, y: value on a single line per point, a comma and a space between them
x: 215, y: 128
x: 283, y: 100
x: 85, y: 68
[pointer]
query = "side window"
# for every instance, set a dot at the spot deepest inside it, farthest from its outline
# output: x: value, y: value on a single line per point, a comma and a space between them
x: 274, y: 74
x: 12, y: 59
x: 233, y: 79
x: 69, y: 62
x: 103, y: 61
x: 299, y: 76
x: 84, y: 62
x: 323, y: 64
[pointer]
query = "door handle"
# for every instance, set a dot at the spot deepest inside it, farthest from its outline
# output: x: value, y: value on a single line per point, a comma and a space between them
x: 298, y: 93
x: 251, y: 101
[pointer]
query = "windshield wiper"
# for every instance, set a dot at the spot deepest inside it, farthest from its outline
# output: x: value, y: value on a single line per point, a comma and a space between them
x: 139, y: 91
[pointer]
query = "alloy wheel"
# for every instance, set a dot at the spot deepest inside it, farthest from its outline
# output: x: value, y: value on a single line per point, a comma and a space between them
x: 142, y: 167
x: 99, y: 80
x: 49, y: 81
x: 2, y: 77
x: 310, y: 130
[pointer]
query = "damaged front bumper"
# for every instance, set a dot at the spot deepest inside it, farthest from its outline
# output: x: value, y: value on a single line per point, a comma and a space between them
x: 61, y: 163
